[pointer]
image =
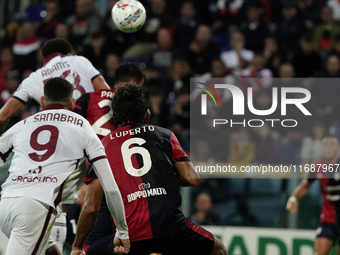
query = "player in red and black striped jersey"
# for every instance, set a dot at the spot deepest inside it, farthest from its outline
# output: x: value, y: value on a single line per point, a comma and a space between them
x: 96, y: 108
x: 328, y: 175
x: 148, y: 164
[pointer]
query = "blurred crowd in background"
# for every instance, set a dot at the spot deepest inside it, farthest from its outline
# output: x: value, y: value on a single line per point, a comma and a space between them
x: 205, y: 39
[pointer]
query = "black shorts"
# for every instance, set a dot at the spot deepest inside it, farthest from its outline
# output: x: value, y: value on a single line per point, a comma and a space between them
x: 191, y: 239
x: 99, y: 247
x: 330, y: 231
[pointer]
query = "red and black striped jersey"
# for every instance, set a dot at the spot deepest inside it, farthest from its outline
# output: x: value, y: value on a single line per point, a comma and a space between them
x: 96, y: 108
x: 329, y: 180
x: 142, y: 158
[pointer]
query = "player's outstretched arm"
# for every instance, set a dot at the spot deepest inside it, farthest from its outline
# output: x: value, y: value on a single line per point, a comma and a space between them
x: 8, y: 110
x: 186, y: 174
x: 99, y: 83
x: 299, y: 192
x: 88, y: 215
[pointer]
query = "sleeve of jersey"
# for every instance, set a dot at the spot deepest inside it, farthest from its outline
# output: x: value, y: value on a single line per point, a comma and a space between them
x: 113, y: 197
x: 82, y: 105
x: 178, y: 153
x: 6, y: 146
x: 91, y: 71
x: 90, y: 176
x: 94, y: 149
x: 23, y: 92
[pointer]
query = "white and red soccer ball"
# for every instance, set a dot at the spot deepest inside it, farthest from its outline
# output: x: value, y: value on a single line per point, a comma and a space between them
x: 128, y: 15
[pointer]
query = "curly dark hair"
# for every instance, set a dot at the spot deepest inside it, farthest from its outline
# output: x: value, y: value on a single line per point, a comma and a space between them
x: 129, y: 105
x: 57, y: 45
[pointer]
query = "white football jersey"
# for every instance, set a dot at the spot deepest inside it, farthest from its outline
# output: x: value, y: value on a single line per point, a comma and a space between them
x: 76, y: 69
x: 47, y: 148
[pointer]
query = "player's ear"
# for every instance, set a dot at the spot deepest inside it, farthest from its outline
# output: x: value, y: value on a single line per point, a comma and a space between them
x: 73, y: 104
x: 42, y: 102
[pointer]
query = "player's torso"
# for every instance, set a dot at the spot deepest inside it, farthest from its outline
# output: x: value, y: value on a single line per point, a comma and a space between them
x: 140, y: 158
x: 47, y: 147
x: 70, y: 68
x: 330, y: 189
x: 99, y: 112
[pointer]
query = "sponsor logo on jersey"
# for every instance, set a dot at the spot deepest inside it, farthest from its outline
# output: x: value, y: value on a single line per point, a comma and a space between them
x: 144, y: 186
x: 131, y: 18
x: 43, y: 179
x: 145, y: 191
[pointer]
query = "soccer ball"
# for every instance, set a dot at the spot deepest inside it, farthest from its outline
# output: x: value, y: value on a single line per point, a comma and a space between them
x: 128, y: 15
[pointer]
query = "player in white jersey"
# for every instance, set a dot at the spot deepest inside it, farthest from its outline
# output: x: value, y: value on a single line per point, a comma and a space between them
x: 47, y: 148
x: 84, y: 78
x: 58, y: 63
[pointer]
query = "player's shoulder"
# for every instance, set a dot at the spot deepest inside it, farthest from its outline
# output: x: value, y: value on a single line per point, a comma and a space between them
x: 157, y: 131
x: 33, y: 76
x: 17, y: 126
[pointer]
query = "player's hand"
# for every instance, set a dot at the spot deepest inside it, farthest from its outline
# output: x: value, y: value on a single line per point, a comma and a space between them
x: 76, y: 251
x: 121, y: 246
x: 292, y: 205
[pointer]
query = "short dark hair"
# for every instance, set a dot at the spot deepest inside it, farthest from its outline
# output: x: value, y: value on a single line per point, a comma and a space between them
x: 127, y: 71
x: 57, y: 45
x: 129, y: 105
x: 58, y: 91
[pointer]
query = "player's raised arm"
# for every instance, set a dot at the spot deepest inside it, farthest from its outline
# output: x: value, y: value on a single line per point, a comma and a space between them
x: 299, y: 192
x: 8, y: 110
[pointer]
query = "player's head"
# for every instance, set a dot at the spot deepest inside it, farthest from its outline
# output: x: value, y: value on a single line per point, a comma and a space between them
x: 58, y: 91
x: 330, y: 147
x: 129, y: 105
x: 128, y: 73
x: 57, y: 45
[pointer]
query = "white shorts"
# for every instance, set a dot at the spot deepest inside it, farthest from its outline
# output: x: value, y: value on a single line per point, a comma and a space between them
x: 27, y: 223
x: 73, y: 184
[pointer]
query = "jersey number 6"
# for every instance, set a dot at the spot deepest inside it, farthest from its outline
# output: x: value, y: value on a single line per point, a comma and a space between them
x: 128, y: 152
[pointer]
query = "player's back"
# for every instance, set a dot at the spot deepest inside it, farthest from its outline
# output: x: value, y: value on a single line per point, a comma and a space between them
x: 142, y: 158
x: 76, y: 69
x: 47, y: 149
x: 96, y: 108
